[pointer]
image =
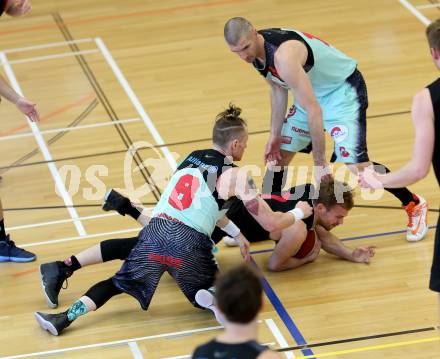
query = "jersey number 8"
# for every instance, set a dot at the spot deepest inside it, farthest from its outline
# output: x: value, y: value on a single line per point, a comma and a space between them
x: 183, y: 192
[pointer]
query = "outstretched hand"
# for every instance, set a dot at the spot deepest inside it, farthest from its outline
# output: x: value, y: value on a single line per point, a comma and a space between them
x: 369, y: 178
x: 18, y: 8
x: 28, y: 108
x: 273, y: 149
x: 363, y: 254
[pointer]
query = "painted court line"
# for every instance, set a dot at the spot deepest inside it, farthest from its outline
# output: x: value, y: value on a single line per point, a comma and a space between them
x: 359, y: 339
x: 415, y: 12
x: 76, y: 128
x: 45, y: 151
x: 135, y: 350
x: 46, y: 45
x: 123, y: 341
x: 51, y: 57
x: 50, y: 115
x: 68, y: 239
x: 279, y: 337
x: 373, y: 347
x: 135, y: 101
x: 427, y: 6
x: 282, y: 312
x: 61, y: 221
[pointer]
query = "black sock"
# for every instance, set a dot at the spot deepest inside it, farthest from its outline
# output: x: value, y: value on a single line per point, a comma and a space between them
x: 127, y: 208
x: 2, y: 230
x: 403, y: 194
x: 133, y: 212
x: 273, y: 182
x: 71, y: 264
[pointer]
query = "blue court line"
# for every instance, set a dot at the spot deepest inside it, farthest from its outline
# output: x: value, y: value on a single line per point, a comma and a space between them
x: 354, y: 238
x: 282, y: 312
x: 279, y: 307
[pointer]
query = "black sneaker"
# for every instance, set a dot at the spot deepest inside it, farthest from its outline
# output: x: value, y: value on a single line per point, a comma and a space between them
x: 9, y: 252
x: 114, y: 201
x: 53, y: 323
x: 53, y: 276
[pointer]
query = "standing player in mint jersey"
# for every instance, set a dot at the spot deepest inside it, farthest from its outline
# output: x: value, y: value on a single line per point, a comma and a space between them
x: 330, y: 94
x: 177, y: 239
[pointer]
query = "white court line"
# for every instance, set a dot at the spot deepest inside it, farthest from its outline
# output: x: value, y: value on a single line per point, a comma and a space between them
x: 68, y: 239
x: 43, y: 224
x: 50, y: 352
x: 45, y: 151
x: 135, y: 101
x: 76, y: 128
x: 137, y: 354
x: 50, y: 57
x: 279, y: 337
x: 416, y: 12
x: 46, y: 46
x: 427, y: 6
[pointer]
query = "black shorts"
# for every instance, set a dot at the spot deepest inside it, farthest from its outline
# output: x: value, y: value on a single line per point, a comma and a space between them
x: 167, y: 246
x: 434, y: 282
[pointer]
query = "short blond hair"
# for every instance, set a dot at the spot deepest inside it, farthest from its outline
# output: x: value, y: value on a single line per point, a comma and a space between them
x: 433, y: 34
x: 235, y: 28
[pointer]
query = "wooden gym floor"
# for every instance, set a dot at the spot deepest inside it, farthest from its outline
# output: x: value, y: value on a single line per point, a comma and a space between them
x: 108, y: 74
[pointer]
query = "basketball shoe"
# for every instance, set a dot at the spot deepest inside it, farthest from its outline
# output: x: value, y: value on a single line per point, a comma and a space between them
x: 53, y: 275
x: 53, y: 323
x: 9, y: 252
x: 417, y: 219
x: 206, y: 299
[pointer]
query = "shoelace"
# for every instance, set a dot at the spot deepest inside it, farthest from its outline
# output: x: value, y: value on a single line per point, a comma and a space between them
x: 412, y: 213
x: 67, y: 284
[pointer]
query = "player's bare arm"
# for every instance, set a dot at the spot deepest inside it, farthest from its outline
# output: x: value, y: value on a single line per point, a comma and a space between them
x: 279, y: 100
x: 333, y: 245
x: 289, y: 60
x: 236, y: 182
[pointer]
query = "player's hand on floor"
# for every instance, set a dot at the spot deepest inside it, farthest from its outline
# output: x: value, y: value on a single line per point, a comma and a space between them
x: 363, y: 254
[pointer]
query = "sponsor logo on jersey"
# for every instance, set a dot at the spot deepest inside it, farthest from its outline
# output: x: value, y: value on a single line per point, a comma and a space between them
x: 301, y: 131
x: 339, y: 133
x: 167, y: 260
x: 287, y: 140
x: 292, y: 111
x: 343, y: 152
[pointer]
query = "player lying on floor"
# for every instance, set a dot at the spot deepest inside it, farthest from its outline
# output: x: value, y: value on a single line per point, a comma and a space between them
x: 294, y: 246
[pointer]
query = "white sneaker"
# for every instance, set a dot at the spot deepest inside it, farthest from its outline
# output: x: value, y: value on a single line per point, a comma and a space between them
x: 205, y: 298
x: 230, y: 242
x: 417, y: 220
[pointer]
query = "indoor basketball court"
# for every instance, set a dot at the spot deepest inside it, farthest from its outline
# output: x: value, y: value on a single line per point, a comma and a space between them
x: 125, y: 91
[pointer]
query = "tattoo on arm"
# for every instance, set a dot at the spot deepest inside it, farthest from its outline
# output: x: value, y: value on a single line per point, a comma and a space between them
x: 252, y: 206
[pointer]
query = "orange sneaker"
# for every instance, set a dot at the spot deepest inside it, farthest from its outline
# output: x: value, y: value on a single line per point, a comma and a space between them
x: 417, y: 219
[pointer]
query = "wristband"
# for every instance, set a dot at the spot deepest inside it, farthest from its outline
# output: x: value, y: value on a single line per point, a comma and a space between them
x: 297, y: 213
x: 231, y: 229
